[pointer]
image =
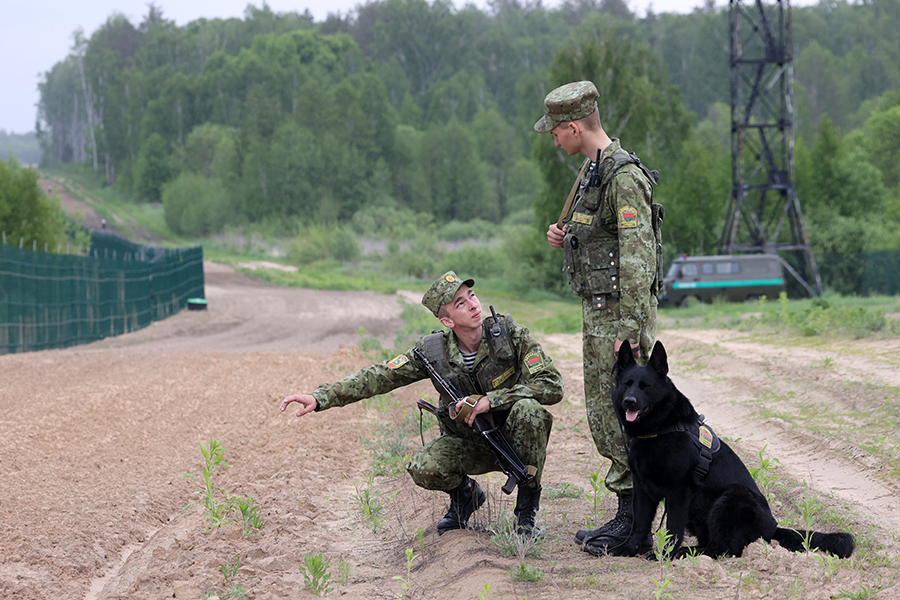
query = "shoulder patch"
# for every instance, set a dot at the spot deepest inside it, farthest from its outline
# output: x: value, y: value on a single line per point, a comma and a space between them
x: 627, y: 217
x: 398, y: 362
x: 535, y: 361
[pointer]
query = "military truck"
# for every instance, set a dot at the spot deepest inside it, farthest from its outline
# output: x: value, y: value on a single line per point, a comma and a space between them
x: 735, y: 278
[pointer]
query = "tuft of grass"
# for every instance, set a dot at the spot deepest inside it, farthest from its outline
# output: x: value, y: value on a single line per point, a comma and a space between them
x: 522, y: 572
x: 508, y: 542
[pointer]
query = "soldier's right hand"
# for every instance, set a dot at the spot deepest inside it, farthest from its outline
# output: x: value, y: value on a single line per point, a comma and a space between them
x: 309, y: 403
x: 556, y: 236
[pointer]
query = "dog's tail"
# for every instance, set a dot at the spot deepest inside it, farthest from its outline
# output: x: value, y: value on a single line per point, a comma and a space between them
x: 840, y: 544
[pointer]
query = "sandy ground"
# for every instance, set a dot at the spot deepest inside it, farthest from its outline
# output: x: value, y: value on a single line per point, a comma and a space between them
x: 96, y: 441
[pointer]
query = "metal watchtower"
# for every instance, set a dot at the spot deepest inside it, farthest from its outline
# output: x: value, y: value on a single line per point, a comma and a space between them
x: 764, y: 213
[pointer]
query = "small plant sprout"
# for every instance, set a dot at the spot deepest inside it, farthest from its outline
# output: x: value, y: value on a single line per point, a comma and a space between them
x: 368, y: 503
x: 663, y: 541
x: 405, y: 581
x: 765, y: 476
x: 486, y: 593
x: 230, y: 568
x: 214, y: 456
x: 316, y: 577
x: 809, y: 508
x: 523, y: 572
x: 251, y: 514
x: 594, y: 497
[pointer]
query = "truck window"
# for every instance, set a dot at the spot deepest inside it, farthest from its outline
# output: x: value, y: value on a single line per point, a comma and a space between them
x: 728, y: 268
x: 689, y: 270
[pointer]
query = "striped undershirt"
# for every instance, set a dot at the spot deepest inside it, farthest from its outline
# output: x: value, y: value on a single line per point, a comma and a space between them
x: 469, y: 358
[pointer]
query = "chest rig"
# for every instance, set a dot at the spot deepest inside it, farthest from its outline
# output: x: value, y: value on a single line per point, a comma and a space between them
x: 591, y: 260
x: 498, y: 369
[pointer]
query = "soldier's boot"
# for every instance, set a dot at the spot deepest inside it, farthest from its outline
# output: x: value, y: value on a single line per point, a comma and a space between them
x: 464, y: 500
x: 528, y: 502
x: 623, y: 513
x: 609, y: 538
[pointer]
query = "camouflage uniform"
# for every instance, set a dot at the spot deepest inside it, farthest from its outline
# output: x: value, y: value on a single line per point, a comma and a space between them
x: 516, y: 404
x: 617, y: 215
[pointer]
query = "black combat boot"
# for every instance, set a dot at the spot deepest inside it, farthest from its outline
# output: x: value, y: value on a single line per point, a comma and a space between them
x: 528, y: 501
x: 464, y: 500
x: 623, y: 514
x: 611, y: 536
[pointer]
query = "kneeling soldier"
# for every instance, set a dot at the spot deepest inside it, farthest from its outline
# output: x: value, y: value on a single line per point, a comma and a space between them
x: 506, y: 377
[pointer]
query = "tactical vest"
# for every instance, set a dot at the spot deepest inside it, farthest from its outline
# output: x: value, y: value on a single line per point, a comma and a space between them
x: 591, y: 245
x: 498, y: 370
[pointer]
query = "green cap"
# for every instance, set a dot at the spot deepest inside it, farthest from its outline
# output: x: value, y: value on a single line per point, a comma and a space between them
x: 568, y: 102
x: 443, y: 291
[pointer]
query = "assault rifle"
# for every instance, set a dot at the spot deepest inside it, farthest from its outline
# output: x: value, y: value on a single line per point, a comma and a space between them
x: 510, y: 463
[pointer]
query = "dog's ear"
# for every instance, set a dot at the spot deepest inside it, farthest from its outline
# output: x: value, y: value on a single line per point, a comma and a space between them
x: 658, y: 360
x: 624, y: 358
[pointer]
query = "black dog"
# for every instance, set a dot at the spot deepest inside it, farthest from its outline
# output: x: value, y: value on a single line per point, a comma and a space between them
x: 708, y: 490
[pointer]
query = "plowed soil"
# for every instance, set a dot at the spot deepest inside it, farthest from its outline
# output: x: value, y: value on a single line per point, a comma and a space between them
x: 95, y: 443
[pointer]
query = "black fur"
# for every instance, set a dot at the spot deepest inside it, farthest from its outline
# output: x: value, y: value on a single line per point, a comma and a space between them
x: 724, y: 509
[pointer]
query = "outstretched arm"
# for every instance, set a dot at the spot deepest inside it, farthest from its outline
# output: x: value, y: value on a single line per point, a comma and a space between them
x: 308, y: 403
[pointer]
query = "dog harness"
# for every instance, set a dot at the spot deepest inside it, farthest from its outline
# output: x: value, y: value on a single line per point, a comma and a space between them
x: 706, y: 440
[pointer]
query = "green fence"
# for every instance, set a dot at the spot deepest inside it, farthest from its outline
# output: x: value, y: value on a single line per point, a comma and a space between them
x: 57, y: 300
x: 861, y: 274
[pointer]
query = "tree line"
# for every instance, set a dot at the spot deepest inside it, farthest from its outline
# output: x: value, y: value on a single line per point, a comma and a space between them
x: 417, y: 106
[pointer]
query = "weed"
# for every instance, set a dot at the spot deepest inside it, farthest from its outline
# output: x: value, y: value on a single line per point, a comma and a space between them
x: 509, y: 543
x: 316, y: 577
x: 523, y: 572
x: 830, y: 564
x: 594, y: 496
x: 663, y: 541
x: 660, y: 591
x: 251, y: 514
x: 564, y: 490
x: 808, y: 510
x: 343, y: 573
x: 405, y: 581
x: 765, y: 476
x: 390, y: 446
x: 864, y: 593
x: 214, y: 456
x: 368, y: 503
x: 230, y: 568
x: 420, y: 537
x: 486, y: 593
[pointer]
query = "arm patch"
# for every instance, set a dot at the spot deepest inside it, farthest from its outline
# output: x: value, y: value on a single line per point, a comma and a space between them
x: 535, y: 361
x: 627, y: 217
x: 398, y: 362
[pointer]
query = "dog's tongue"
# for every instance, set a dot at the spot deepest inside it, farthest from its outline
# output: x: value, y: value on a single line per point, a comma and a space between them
x: 631, y: 415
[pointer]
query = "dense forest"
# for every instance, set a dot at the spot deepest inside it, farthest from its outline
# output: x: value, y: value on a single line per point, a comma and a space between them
x: 417, y: 112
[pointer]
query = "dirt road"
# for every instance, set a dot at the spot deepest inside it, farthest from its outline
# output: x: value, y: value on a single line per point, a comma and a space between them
x: 95, y: 442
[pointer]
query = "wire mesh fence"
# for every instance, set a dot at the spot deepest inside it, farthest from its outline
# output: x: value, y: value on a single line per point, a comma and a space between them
x: 59, y: 300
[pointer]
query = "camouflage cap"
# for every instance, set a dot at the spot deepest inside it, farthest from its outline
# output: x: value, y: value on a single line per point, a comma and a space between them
x: 568, y: 102
x: 443, y: 291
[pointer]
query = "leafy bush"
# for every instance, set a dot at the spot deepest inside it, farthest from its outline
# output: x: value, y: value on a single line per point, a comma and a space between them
x: 195, y: 205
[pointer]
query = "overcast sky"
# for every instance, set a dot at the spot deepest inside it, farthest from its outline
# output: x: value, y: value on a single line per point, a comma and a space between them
x: 36, y: 34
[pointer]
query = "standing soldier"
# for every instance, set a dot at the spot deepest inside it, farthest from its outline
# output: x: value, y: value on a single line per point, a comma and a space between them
x: 610, y: 242
x: 504, y: 374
